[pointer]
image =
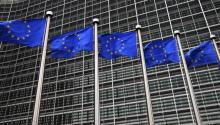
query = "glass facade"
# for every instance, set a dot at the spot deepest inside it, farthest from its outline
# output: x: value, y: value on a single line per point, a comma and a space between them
x: 68, y: 88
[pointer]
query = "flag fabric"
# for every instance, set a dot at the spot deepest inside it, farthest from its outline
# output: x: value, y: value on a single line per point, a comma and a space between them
x: 161, y: 52
x: 28, y: 32
x: 115, y: 45
x: 200, y: 55
x: 71, y: 43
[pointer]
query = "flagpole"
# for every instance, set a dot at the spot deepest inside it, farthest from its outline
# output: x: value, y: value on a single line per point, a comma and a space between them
x: 146, y: 84
x: 213, y: 38
x: 41, y: 74
x: 192, y: 94
x: 97, y: 107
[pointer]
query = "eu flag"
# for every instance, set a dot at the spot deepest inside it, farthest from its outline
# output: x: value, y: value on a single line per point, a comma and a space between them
x: 28, y: 32
x: 200, y: 55
x: 115, y: 45
x: 160, y: 52
x: 71, y: 43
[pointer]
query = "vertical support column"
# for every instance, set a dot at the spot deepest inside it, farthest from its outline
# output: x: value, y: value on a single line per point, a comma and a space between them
x: 146, y: 84
x: 213, y: 38
x: 97, y: 106
x: 41, y: 74
x: 203, y: 12
x: 192, y: 94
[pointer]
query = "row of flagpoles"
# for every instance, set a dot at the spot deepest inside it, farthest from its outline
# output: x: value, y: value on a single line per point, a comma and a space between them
x: 66, y: 44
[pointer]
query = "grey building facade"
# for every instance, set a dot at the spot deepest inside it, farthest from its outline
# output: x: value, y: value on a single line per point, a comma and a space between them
x: 68, y: 88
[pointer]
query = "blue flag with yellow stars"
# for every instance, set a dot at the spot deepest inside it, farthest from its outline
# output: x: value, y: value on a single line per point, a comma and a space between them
x: 115, y: 45
x: 161, y: 52
x: 200, y: 55
x: 71, y: 43
x: 28, y: 32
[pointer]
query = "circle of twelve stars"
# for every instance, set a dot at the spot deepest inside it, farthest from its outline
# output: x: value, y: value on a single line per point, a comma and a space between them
x: 19, y: 38
x: 107, y: 46
x: 199, y: 59
x: 165, y: 55
x: 77, y: 36
x: 114, y: 39
x: 160, y: 48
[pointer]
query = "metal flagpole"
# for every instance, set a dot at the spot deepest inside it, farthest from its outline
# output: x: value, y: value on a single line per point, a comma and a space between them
x: 192, y: 95
x: 146, y: 85
x: 213, y: 38
x: 97, y: 107
x: 41, y: 74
